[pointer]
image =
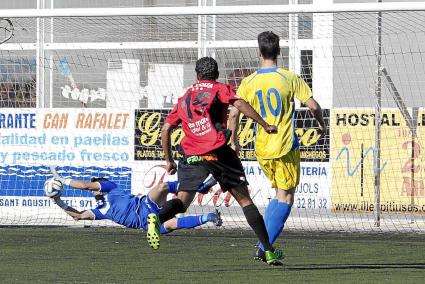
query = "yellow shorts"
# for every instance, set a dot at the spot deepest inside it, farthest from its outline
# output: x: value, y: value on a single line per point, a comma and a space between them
x: 283, y: 172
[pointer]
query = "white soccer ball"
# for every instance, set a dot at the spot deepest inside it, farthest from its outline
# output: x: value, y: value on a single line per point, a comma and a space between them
x: 53, y: 187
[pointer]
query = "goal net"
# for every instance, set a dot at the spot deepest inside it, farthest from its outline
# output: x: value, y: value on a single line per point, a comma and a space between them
x: 88, y: 90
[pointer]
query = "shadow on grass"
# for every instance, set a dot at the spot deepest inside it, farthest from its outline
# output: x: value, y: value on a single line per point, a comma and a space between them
x: 356, y: 266
x: 317, y: 267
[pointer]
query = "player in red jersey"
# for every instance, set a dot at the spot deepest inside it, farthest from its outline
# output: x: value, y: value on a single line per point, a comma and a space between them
x: 202, y: 113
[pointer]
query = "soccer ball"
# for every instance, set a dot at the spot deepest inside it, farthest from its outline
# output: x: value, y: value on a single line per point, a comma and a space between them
x: 53, y: 187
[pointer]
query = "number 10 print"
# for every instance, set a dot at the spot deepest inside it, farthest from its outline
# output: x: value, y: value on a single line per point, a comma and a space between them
x: 275, y: 111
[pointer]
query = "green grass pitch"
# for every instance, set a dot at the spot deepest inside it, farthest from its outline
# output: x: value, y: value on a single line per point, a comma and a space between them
x: 115, y: 255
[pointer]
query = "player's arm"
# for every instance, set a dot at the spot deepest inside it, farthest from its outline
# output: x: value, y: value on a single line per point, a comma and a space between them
x: 166, y: 146
x: 233, y: 119
x: 228, y: 96
x: 84, y: 185
x: 303, y: 93
x: 233, y: 125
x: 74, y: 213
x: 246, y: 109
x: 171, y: 122
x: 78, y: 184
x: 316, y: 110
x: 103, y: 186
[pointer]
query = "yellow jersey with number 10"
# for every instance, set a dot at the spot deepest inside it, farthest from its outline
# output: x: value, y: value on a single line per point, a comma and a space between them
x: 271, y: 93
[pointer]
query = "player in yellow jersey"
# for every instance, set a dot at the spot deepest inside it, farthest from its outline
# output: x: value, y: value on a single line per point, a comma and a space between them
x: 271, y: 92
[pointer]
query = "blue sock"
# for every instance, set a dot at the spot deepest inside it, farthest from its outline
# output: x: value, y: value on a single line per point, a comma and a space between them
x: 172, y: 186
x: 207, y: 218
x: 163, y: 230
x: 277, y: 215
x: 205, y: 187
x: 270, y: 208
x: 268, y: 211
x: 189, y: 222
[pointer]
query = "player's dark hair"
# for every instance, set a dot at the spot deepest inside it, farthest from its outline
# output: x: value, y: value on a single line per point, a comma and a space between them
x: 268, y: 43
x: 95, y: 179
x: 207, y: 69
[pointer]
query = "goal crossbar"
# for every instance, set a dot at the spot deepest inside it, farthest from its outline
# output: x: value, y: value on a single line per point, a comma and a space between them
x: 211, y: 10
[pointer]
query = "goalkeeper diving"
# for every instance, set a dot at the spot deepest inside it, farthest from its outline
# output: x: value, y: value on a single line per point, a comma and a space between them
x: 134, y: 211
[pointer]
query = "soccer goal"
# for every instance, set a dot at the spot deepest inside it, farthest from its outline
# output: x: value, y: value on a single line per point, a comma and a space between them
x: 87, y: 90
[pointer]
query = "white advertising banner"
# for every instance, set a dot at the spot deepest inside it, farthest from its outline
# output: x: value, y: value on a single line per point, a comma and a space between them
x: 65, y: 136
x: 312, y: 193
x: 86, y: 143
x: 81, y: 143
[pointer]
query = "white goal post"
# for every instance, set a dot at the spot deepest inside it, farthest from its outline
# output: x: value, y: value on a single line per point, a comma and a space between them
x: 87, y: 90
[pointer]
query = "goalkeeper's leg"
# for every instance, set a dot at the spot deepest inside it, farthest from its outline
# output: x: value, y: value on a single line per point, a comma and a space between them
x: 204, y: 188
x: 157, y: 196
x: 153, y: 234
x: 189, y: 222
x: 179, y: 205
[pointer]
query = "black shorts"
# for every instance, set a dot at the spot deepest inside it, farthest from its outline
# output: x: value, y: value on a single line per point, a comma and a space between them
x: 227, y: 170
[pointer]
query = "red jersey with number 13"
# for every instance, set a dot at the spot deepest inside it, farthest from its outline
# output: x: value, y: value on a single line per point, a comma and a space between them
x: 203, y: 105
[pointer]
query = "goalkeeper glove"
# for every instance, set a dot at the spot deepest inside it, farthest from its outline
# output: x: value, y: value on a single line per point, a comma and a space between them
x: 65, y: 181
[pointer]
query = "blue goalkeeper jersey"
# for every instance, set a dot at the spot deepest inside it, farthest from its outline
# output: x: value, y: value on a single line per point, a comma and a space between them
x: 122, y: 207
